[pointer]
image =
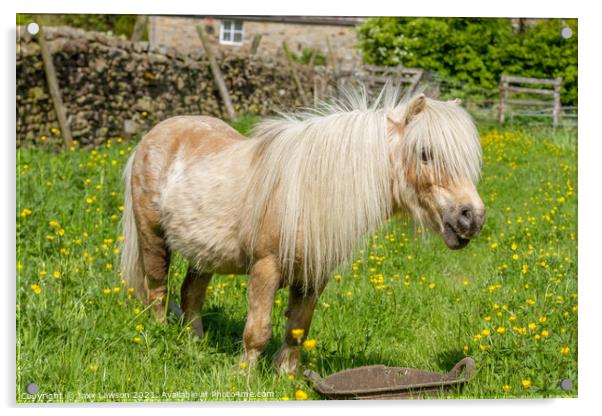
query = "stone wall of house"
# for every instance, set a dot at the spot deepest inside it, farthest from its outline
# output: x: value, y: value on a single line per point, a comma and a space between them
x: 112, y: 87
x: 180, y: 32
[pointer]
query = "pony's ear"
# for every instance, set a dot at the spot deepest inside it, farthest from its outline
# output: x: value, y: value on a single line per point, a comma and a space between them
x: 395, y: 117
x: 456, y: 101
x: 415, y: 107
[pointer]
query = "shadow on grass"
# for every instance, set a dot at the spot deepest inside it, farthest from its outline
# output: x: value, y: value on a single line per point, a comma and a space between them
x: 447, y: 359
x: 224, y: 333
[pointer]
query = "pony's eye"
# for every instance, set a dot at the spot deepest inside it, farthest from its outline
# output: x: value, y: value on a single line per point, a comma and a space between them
x: 425, y: 156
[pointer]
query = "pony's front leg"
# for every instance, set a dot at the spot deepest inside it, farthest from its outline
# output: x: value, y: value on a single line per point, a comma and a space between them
x: 299, y: 313
x: 264, y: 281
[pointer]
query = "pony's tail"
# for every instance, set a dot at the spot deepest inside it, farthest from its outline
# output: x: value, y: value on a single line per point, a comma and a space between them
x: 131, y: 261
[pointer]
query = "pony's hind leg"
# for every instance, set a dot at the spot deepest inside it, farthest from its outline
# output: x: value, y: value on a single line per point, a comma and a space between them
x: 193, y: 294
x: 299, y: 313
x: 264, y: 282
x: 155, y: 260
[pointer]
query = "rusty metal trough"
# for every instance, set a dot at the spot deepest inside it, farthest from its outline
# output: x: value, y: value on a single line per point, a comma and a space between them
x: 382, y: 382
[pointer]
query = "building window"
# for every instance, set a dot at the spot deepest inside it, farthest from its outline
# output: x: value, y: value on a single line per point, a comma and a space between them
x: 231, y: 32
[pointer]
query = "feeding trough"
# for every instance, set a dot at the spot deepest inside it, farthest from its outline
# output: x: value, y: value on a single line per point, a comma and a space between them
x: 382, y: 382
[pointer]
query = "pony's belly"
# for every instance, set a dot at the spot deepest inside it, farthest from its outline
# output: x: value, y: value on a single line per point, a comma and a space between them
x: 200, y: 215
x: 204, y: 232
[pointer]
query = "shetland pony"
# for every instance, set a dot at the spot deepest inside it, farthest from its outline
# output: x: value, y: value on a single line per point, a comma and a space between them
x: 291, y: 203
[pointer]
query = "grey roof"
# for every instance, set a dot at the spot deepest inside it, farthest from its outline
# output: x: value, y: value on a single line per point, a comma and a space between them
x: 309, y: 20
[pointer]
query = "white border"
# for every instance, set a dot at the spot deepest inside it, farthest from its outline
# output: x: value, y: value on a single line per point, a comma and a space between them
x: 589, y: 200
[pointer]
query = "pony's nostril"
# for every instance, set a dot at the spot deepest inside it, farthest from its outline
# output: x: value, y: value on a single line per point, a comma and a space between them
x: 465, y: 219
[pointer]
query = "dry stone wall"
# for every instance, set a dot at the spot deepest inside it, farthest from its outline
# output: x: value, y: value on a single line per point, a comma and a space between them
x: 113, y: 87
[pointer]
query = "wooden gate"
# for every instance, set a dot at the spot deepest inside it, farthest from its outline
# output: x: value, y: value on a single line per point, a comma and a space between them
x: 534, y: 97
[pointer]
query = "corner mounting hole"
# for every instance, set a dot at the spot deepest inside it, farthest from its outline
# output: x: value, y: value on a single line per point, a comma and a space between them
x: 33, y: 28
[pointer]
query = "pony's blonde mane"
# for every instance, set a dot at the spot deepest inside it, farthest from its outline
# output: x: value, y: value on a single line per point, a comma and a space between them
x: 326, y: 173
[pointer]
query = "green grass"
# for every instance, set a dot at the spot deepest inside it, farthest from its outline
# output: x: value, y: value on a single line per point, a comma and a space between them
x: 405, y: 301
x: 245, y: 123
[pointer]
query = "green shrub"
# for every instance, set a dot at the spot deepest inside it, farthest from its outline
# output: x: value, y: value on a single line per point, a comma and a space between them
x: 305, y: 57
x: 475, y: 51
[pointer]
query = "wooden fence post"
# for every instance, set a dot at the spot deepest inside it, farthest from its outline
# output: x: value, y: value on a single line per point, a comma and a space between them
x: 291, y: 63
x: 53, y: 86
x: 255, y: 43
x: 332, y: 57
x: 312, y: 58
x: 556, y: 109
x: 503, y: 97
x: 139, y: 28
x: 217, y: 74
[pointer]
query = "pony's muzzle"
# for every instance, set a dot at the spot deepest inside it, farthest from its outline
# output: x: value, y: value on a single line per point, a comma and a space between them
x: 469, y: 221
x: 462, y: 224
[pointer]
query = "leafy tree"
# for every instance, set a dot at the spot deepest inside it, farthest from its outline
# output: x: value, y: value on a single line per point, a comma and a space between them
x: 474, y: 51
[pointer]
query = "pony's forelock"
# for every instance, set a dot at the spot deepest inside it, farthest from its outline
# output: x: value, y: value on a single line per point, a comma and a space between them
x: 446, y: 133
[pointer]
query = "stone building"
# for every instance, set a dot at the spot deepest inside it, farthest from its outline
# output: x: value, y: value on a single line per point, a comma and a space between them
x: 235, y: 34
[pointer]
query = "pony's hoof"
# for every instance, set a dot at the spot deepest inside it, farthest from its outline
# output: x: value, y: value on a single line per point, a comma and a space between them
x: 246, y: 365
x: 286, y: 368
x: 286, y: 361
x: 197, y: 328
x: 244, y: 369
x: 194, y: 324
x: 159, y: 312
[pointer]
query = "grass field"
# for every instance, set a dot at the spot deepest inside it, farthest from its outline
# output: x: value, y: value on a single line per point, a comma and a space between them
x: 509, y: 299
